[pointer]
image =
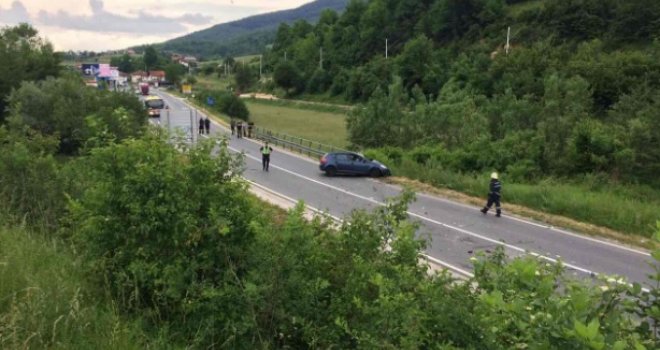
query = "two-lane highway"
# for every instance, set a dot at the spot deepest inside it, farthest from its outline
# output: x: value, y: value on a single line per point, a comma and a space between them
x: 456, y: 231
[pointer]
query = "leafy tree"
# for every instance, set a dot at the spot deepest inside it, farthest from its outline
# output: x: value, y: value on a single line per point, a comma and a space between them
x: 234, y: 107
x: 150, y: 58
x: 24, y: 56
x: 415, y: 60
x: 287, y: 76
x: 174, y: 73
x: 63, y: 107
x: 244, y: 77
x: 208, y: 68
x: 126, y: 64
x: 171, y: 255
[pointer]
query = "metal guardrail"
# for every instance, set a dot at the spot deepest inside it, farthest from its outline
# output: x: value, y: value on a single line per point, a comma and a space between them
x: 293, y: 143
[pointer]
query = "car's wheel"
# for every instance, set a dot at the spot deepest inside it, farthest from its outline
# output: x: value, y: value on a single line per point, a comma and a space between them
x: 330, y: 171
x: 375, y: 173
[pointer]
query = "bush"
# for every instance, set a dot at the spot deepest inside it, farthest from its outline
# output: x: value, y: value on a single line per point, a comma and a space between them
x: 164, y: 229
x: 48, y: 304
x: 30, y: 182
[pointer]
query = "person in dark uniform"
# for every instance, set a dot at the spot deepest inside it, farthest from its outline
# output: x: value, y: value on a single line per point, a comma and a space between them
x: 207, y: 125
x: 266, y: 150
x: 250, y: 128
x: 494, y: 195
x: 232, y: 124
x: 239, y: 129
x: 200, y: 130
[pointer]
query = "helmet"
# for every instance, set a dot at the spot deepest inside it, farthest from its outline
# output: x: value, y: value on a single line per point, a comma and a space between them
x: 494, y: 176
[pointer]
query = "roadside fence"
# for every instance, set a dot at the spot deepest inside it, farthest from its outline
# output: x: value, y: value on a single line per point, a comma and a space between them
x: 293, y: 143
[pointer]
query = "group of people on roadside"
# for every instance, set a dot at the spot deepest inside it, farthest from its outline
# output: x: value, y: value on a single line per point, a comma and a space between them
x: 204, y: 126
x: 241, y: 129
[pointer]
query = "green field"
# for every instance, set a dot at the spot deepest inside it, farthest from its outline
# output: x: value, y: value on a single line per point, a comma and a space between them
x: 324, y: 127
x: 211, y: 82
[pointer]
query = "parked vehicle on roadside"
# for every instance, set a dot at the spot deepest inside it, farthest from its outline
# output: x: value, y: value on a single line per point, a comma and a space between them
x: 348, y: 163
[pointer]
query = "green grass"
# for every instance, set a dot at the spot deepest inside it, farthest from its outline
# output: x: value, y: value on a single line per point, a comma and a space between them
x: 324, y: 127
x: 45, y: 302
x: 515, y: 10
x: 211, y: 82
x: 304, y: 105
x: 625, y: 209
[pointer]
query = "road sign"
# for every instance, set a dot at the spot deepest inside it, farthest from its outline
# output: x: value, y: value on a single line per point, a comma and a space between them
x: 210, y: 101
x: 186, y: 89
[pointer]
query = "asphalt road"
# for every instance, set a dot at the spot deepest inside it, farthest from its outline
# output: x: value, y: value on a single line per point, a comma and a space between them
x: 456, y: 231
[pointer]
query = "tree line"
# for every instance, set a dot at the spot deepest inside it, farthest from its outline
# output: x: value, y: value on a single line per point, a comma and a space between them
x: 171, y: 235
x: 578, y: 89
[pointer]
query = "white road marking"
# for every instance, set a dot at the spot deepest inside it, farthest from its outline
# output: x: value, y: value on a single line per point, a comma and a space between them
x: 552, y: 228
x: 341, y: 221
x: 421, y: 217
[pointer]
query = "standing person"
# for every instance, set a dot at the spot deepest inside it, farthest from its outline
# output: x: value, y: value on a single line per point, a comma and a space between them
x: 200, y: 130
x: 265, y: 156
x: 250, y: 127
x: 239, y: 129
x: 207, y: 125
x: 244, y: 129
x: 494, y: 195
x: 232, y: 124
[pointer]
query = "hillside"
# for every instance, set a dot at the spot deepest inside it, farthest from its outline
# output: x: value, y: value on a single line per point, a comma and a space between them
x: 248, y: 35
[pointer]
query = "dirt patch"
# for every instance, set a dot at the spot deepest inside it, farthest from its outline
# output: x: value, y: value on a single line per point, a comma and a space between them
x: 527, y: 213
x: 259, y: 96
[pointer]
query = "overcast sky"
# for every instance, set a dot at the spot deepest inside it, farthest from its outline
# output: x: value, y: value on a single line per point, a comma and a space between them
x: 100, y: 25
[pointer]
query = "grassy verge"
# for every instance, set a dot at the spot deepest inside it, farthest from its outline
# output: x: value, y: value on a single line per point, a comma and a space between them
x: 617, y: 212
x: 609, y: 211
x: 324, y: 127
x: 306, y: 105
x: 211, y: 82
x: 45, y: 303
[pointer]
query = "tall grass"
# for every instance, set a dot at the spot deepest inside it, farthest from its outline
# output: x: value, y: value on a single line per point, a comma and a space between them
x: 626, y: 209
x: 45, y: 303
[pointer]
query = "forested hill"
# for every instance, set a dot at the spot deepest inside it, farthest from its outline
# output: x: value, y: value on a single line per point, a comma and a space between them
x: 249, y: 35
x: 577, y: 93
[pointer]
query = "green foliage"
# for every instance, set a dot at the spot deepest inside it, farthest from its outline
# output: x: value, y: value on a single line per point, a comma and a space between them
x: 590, y: 198
x: 226, y: 103
x: 286, y: 75
x: 150, y: 58
x: 174, y: 73
x: 164, y: 229
x: 124, y: 63
x: 571, y: 68
x: 30, y: 182
x: 24, y: 56
x: 245, y: 77
x: 77, y: 115
x: 47, y: 303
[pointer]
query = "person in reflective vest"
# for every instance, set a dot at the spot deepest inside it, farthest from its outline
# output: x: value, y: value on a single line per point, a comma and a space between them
x: 265, y: 156
x: 494, y: 195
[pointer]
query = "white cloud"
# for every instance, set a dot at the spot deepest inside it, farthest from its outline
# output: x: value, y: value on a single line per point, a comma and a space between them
x: 16, y: 13
x: 102, y: 20
x: 115, y: 24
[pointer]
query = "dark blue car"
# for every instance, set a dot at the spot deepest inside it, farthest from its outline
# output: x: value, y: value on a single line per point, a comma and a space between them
x: 347, y: 163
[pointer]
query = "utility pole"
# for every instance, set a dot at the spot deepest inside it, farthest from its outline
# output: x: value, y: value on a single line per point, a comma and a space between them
x: 261, y: 58
x: 321, y: 58
x: 167, y: 111
x: 192, y: 128
x: 386, y: 48
x: 284, y: 56
x: 508, y: 38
